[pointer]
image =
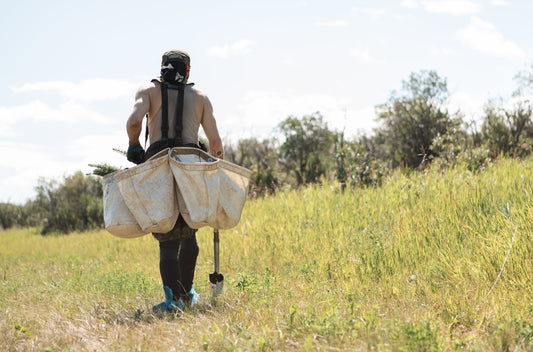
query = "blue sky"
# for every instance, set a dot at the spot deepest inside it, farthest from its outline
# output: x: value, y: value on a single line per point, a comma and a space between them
x: 70, y: 69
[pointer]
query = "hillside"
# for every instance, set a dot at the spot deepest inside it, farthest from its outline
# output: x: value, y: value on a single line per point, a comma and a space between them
x: 410, y: 266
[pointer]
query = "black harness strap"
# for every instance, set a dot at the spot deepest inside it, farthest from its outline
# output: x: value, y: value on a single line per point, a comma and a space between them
x: 177, y: 141
x: 164, y: 112
x: 179, y: 115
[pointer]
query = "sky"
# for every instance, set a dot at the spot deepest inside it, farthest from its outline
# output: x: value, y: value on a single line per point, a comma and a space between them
x: 69, y: 70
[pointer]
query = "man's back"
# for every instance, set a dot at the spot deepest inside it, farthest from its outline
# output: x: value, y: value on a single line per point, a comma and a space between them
x: 197, y: 110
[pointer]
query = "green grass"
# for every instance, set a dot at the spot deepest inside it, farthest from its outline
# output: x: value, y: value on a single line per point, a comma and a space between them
x: 405, y: 267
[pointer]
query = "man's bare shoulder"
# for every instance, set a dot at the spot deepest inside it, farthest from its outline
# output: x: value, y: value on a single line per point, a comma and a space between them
x: 199, y: 93
x: 148, y: 88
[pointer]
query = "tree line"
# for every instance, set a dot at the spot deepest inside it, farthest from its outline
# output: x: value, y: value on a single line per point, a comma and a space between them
x: 416, y: 129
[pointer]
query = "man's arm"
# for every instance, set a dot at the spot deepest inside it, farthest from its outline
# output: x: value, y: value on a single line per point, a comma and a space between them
x: 140, y: 108
x: 209, y: 126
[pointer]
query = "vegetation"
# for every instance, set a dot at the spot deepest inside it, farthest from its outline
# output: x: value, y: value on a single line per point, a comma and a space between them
x: 416, y: 238
x: 433, y: 260
x: 76, y: 204
x: 412, y: 121
x: 416, y: 129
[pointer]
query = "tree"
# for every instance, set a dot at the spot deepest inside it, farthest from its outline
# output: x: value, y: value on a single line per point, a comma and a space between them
x: 307, y: 148
x: 75, y: 205
x: 508, y: 131
x: 413, y: 119
x: 262, y: 158
x: 356, y: 166
x: 525, y: 80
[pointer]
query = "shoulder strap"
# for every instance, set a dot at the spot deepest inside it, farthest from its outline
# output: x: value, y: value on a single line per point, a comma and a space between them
x: 146, y: 133
x: 164, y: 111
x: 179, y: 114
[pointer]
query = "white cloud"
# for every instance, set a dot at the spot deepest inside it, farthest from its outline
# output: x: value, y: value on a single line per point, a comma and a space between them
x: 240, y: 47
x: 452, y: 7
x: 74, y: 109
x: 413, y: 4
x: 471, y: 105
x: 261, y: 111
x: 89, y: 90
x: 499, y: 3
x: 69, y: 112
x: 483, y: 37
x: 94, y: 149
x: 337, y: 23
x: 28, y: 162
x: 441, y: 51
x: 373, y: 12
x: 364, y: 55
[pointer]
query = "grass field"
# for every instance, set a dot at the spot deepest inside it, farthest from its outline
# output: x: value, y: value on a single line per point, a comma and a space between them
x: 411, y: 266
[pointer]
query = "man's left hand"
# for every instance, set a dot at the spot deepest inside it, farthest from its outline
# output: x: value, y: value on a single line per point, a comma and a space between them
x: 135, y: 154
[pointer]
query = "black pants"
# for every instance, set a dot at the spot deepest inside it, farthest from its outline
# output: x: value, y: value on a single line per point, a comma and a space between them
x: 177, y: 262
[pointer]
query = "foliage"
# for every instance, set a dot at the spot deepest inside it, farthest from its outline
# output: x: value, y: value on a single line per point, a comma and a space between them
x: 10, y: 215
x: 356, y: 166
x: 525, y: 80
x: 417, y: 129
x: 261, y: 158
x: 74, y: 205
x: 103, y: 169
x: 509, y: 131
x: 412, y: 119
x: 458, y: 147
x: 13, y: 215
x: 307, y: 147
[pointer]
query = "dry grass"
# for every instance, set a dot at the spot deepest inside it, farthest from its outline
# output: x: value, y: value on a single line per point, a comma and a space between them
x: 406, y: 267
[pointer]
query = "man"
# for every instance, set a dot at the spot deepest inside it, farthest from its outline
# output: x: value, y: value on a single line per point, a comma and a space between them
x: 175, y: 112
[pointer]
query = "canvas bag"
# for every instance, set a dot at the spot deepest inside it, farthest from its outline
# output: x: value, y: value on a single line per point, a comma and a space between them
x: 149, y: 193
x: 118, y: 219
x: 210, y: 192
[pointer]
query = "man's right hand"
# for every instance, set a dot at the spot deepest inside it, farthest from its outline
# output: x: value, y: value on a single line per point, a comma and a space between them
x: 135, y: 154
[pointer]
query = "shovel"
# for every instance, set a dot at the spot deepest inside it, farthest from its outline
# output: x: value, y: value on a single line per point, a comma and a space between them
x: 216, y: 279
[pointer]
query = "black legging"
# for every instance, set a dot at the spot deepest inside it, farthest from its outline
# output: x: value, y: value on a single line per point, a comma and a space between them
x: 177, y: 262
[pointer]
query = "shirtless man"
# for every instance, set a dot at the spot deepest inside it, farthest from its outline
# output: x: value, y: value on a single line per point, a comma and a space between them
x: 197, y: 110
x: 178, y: 248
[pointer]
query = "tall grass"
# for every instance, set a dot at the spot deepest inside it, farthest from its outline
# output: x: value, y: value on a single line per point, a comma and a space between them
x: 411, y: 266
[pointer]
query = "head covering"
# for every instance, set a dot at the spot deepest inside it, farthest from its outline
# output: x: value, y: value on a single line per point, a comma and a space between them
x: 175, y: 67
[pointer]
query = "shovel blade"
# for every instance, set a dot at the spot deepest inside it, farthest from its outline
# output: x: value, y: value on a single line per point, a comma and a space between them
x: 217, y: 283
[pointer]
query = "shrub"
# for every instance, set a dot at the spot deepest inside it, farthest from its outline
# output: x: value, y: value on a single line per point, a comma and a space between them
x: 75, y: 205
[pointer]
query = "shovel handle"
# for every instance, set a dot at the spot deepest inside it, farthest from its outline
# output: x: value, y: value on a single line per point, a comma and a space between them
x: 216, y: 241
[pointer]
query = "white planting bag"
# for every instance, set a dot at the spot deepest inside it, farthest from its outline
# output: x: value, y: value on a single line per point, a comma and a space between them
x: 211, y: 192
x: 118, y: 219
x: 149, y: 193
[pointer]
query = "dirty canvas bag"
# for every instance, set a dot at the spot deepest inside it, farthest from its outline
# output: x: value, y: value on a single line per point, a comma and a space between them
x: 211, y: 192
x: 234, y: 180
x: 149, y: 192
x: 118, y: 219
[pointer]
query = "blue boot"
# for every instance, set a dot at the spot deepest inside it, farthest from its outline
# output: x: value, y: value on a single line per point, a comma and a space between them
x: 169, y: 304
x: 189, y: 299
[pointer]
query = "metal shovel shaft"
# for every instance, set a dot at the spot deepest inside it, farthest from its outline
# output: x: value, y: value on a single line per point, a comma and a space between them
x: 216, y: 241
x: 216, y: 278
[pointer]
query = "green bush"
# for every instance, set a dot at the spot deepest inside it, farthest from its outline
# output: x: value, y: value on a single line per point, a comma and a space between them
x: 74, y: 205
x: 262, y: 158
x: 357, y: 167
x: 412, y: 119
x: 508, y: 131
